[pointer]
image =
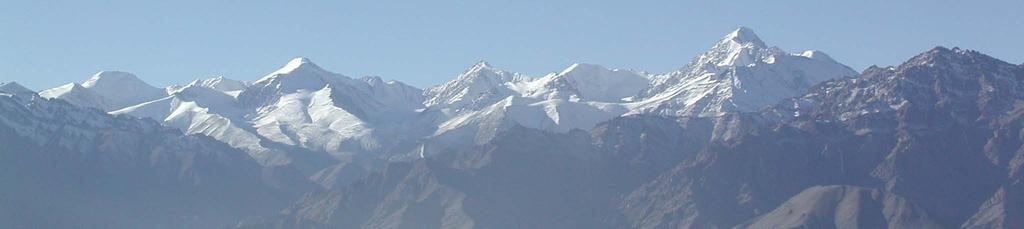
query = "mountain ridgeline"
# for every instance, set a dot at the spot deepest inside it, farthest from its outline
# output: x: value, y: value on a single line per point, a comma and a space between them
x: 745, y: 135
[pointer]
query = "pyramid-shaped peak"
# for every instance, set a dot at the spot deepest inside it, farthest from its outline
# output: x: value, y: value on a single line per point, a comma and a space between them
x: 298, y: 63
x: 483, y: 68
x: 743, y: 35
x: 295, y: 65
x: 299, y: 60
x: 482, y: 64
x: 740, y: 47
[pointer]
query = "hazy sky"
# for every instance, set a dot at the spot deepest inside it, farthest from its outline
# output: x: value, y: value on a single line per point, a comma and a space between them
x: 48, y: 43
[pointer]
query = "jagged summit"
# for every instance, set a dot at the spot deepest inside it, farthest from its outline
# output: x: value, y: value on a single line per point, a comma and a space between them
x: 740, y: 47
x: 219, y: 83
x: 743, y: 35
x: 720, y: 143
x: 372, y: 80
x: 481, y: 64
x: 477, y: 87
x: 739, y: 73
x: 377, y: 80
x: 479, y: 68
x: 941, y: 55
x: 484, y: 69
x: 224, y: 84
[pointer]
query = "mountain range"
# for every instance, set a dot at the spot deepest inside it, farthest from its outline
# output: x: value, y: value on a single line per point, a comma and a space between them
x: 743, y: 136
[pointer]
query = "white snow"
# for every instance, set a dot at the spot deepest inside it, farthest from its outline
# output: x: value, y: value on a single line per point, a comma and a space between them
x: 302, y: 105
x: 739, y: 73
x: 107, y: 90
x: 225, y: 85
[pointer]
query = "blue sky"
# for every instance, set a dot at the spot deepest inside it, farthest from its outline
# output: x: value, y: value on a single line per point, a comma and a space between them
x: 48, y: 43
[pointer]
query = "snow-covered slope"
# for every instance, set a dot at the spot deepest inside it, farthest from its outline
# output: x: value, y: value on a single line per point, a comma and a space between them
x: 303, y: 107
x: 555, y: 115
x: 228, y: 86
x: 480, y: 86
x: 739, y: 73
x: 65, y: 166
x: 75, y: 94
x: 294, y: 110
x: 122, y: 88
x: 198, y: 109
x: 839, y: 206
x: 578, y: 97
x: 107, y: 90
x: 588, y: 82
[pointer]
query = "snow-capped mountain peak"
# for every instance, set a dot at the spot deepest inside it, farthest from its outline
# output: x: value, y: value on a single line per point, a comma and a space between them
x: 107, y: 90
x: 739, y: 48
x: 483, y: 69
x: 739, y: 73
x: 75, y: 94
x: 110, y: 78
x: 219, y: 83
x: 117, y: 83
x: 743, y: 35
x: 223, y: 84
x: 477, y: 87
x: 300, y: 66
x: 482, y: 64
x: 595, y: 82
x: 299, y: 74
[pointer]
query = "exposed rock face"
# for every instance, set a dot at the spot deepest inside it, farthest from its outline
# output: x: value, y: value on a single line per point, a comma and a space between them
x: 512, y: 182
x: 938, y: 130
x: 738, y: 74
x: 1003, y: 210
x: 745, y: 136
x: 932, y: 143
x: 840, y: 206
x: 68, y: 167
